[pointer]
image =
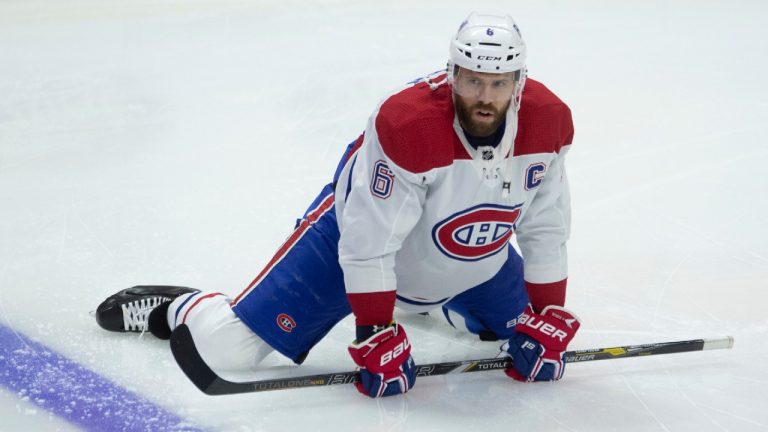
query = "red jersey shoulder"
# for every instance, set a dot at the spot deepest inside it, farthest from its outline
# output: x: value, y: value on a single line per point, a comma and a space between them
x: 544, y: 121
x: 415, y: 128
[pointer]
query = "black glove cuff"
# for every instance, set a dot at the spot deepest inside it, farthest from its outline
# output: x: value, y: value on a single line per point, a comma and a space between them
x: 364, y: 332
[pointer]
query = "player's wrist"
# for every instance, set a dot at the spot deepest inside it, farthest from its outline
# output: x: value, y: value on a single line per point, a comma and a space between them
x: 364, y: 332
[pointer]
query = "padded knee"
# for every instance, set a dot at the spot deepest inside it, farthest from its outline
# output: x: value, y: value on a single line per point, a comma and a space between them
x: 460, y: 318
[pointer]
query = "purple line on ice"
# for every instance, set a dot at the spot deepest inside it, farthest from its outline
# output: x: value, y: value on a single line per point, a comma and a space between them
x: 82, y: 397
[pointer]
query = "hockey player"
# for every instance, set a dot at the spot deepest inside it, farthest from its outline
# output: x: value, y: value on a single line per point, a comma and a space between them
x: 419, y: 215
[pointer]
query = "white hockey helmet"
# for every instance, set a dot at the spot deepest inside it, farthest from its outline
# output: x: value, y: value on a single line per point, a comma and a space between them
x: 488, y: 43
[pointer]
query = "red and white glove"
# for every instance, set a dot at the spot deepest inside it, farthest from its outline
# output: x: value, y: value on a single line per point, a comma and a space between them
x: 385, y: 362
x: 538, y: 346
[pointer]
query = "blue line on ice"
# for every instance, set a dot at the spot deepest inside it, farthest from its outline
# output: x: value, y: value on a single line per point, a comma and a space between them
x: 82, y: 397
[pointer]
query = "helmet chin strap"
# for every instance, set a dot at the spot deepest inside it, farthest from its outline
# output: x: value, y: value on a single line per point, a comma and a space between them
x: 518, y: 96
x: 511, y: 125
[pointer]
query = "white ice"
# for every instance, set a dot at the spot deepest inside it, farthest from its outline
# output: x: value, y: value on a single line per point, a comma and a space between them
x: 175, y: 142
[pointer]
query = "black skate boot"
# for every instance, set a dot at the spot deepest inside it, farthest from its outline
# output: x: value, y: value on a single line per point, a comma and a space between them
x: 129, y: 309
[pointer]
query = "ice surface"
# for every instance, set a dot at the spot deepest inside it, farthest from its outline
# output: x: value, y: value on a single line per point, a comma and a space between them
x: 176, y: 142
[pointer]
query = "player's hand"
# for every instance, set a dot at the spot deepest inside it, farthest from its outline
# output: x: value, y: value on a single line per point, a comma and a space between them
x: 385, y: 362
x: 538, y: 346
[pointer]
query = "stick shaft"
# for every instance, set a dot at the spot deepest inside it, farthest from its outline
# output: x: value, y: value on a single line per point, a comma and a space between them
x: 205, y: 379
x: 648, y: 349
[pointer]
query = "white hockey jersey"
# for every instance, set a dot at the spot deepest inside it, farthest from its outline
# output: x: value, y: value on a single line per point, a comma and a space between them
x: 422, y: 212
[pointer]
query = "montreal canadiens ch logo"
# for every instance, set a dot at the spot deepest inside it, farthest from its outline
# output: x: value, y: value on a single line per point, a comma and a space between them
x: 476, y: 233
x: 286, y: 322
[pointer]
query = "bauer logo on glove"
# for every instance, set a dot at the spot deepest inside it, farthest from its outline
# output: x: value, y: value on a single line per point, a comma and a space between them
x: 538, y: 346
x: 385, y: 362
x: 534, y: 322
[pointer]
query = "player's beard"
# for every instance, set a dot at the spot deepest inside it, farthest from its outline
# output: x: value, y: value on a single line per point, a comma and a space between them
x: 478, y: 129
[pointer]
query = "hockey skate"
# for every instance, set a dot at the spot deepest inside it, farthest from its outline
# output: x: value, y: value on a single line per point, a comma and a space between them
x: 129, y: 309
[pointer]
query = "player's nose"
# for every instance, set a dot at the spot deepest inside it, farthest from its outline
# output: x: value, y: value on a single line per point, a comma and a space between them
x: 486, y: 95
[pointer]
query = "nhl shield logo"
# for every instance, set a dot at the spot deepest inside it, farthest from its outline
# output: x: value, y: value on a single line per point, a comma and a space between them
x: 476, y: 233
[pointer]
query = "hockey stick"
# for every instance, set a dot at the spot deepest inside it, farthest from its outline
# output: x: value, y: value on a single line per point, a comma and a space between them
x: 188, y: 358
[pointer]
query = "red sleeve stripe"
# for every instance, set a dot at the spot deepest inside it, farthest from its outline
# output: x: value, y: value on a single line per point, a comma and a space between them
x: 297, y: 234
x: 543, y: 295
x: 374, y: 308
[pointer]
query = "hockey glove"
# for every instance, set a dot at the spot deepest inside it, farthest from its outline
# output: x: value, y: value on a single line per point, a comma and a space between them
x: 385, y: 362
x: 538, y: 346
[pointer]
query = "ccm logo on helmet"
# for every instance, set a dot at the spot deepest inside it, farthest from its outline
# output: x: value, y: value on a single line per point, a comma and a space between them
x: 476, y: 233
x: 492, y: 58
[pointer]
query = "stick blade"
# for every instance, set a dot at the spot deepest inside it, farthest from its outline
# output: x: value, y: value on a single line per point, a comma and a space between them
x: 190, y: 361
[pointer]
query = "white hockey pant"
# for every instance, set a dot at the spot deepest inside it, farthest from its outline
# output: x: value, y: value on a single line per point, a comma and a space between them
x: 224, y: 342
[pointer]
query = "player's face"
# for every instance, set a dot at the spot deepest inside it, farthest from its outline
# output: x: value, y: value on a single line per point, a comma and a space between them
x: 482, y: 100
